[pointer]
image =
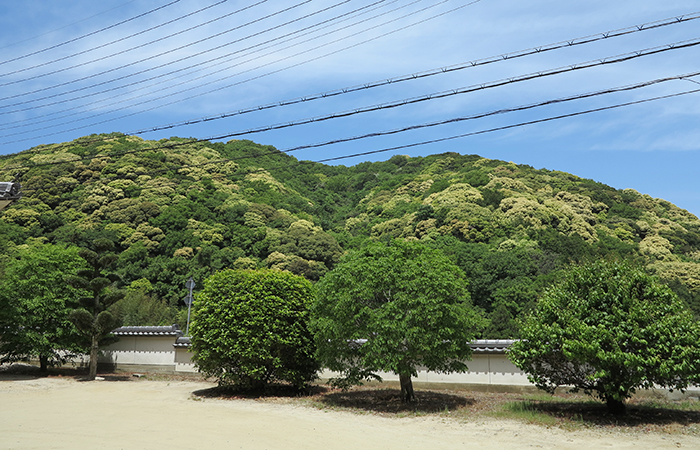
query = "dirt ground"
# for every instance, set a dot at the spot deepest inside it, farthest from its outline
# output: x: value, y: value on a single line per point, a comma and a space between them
x: 62, y: 413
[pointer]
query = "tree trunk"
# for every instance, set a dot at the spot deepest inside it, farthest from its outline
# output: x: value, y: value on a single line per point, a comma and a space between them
x: 94, y: 349
x: 407, y: 394
x: 43, y: 363
x: 615, y: 407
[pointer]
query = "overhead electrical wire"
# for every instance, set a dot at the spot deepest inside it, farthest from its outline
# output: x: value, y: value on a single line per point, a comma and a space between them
x: 68, y: 25
x: 132, y: 63
x: 200, y: 66
x: 508, y: 127
x: 451, y: 92
x: 472, y: 88
x: 569, y: 43
x: 189, y: 44
x: 124, y: 38
x: 406, y: 146
x: 560, y: 100
x: 432, y: 72
x: 413, y: 24
x: 504, y: 111
x: 149, y: 69
x: 92, y: 33
x: 273, y: 72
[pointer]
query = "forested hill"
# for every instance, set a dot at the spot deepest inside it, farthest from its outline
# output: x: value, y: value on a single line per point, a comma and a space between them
x: 180, y: 209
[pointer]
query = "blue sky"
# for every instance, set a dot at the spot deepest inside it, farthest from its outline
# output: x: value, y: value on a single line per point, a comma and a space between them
x: 258, y: 52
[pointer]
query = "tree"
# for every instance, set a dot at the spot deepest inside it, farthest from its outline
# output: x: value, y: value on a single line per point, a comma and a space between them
x: 250, y: 328
x: 36, y: 303
x: 609, y: 329
x: 393, y: 308
x: 93, y: 320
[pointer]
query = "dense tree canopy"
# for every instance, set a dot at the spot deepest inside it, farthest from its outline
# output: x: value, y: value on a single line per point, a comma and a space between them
x: 609, y: 329
x: 393, y: 307
x: 36, y: 304
x: 178, y: 209
x: 250, y: 328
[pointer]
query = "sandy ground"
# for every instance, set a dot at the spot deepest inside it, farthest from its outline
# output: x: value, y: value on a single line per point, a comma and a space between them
x: 61, y: 413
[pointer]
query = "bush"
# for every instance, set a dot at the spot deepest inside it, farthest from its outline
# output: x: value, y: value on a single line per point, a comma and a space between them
x: 249, y: 329
x: 608, y: 330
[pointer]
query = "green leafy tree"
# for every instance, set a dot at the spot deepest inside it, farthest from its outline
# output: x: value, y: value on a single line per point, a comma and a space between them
x: 393, y: 308
x: 93, y: 320
x: 36, y: 303
x: 140, y: 307
x: 609, y: 329
x: 250, y: 328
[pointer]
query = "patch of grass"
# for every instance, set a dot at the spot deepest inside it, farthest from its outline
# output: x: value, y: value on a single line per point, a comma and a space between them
x: 525, y: 411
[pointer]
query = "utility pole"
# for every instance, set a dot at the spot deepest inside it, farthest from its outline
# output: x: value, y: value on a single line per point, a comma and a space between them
x: 189, y: 300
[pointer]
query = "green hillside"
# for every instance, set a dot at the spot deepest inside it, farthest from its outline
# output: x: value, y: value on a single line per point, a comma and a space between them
x: 178, y: 209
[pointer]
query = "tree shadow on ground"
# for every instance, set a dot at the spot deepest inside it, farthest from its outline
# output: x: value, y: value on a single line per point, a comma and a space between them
x: 596, y: 414
x: 18, y: 372
x: 23, y: 371
x: 389, y: 401
x: 272, y: 390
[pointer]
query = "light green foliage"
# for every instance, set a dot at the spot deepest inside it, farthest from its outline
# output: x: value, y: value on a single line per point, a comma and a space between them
x: 142, y: 284
x: 609, y: 329
x: 139, y: 308
x: 36, y: 303
x: 250, y: 328
x: 393, y: 308
x: 171, y: 222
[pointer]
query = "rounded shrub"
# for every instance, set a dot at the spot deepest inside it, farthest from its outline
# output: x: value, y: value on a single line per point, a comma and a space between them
x: 249, y: 329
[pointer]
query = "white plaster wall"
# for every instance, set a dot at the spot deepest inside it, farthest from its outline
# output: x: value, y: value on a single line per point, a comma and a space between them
x: 159, y: 351
x: 145, y: 350
x: 483, y: 369
x: 183, y: 360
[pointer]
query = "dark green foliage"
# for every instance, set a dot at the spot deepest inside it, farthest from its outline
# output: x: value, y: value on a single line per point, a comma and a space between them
x: 609, y: 329
x: 491, y: 197
x: 172, y: 215
x: 93, y: 320
x: 393, y: 308
x: 249, y: 329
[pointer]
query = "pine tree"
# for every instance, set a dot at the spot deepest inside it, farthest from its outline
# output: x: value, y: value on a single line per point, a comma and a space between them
x: 93, y: 320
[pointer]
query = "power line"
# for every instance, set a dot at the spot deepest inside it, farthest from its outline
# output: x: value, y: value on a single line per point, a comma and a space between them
x: 264, y: 65
x: 631, y: 87
x: 452, y: 92
x: 507, y: 127
x: 92, y: 49
x: 199, y: 67
x: 678, y: 19
x: 473, y: 88
x: 412, y: 145
x: 154, y: 67
x: 432, y: 72
x: 89, y: 34
x: 189, y: 44
x: 66, y: 26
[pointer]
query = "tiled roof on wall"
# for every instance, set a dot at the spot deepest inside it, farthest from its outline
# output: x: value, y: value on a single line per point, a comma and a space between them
x: 490, y: 345
x: 171, y: 330
x: 182, y: 341
x: 478, y: 346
